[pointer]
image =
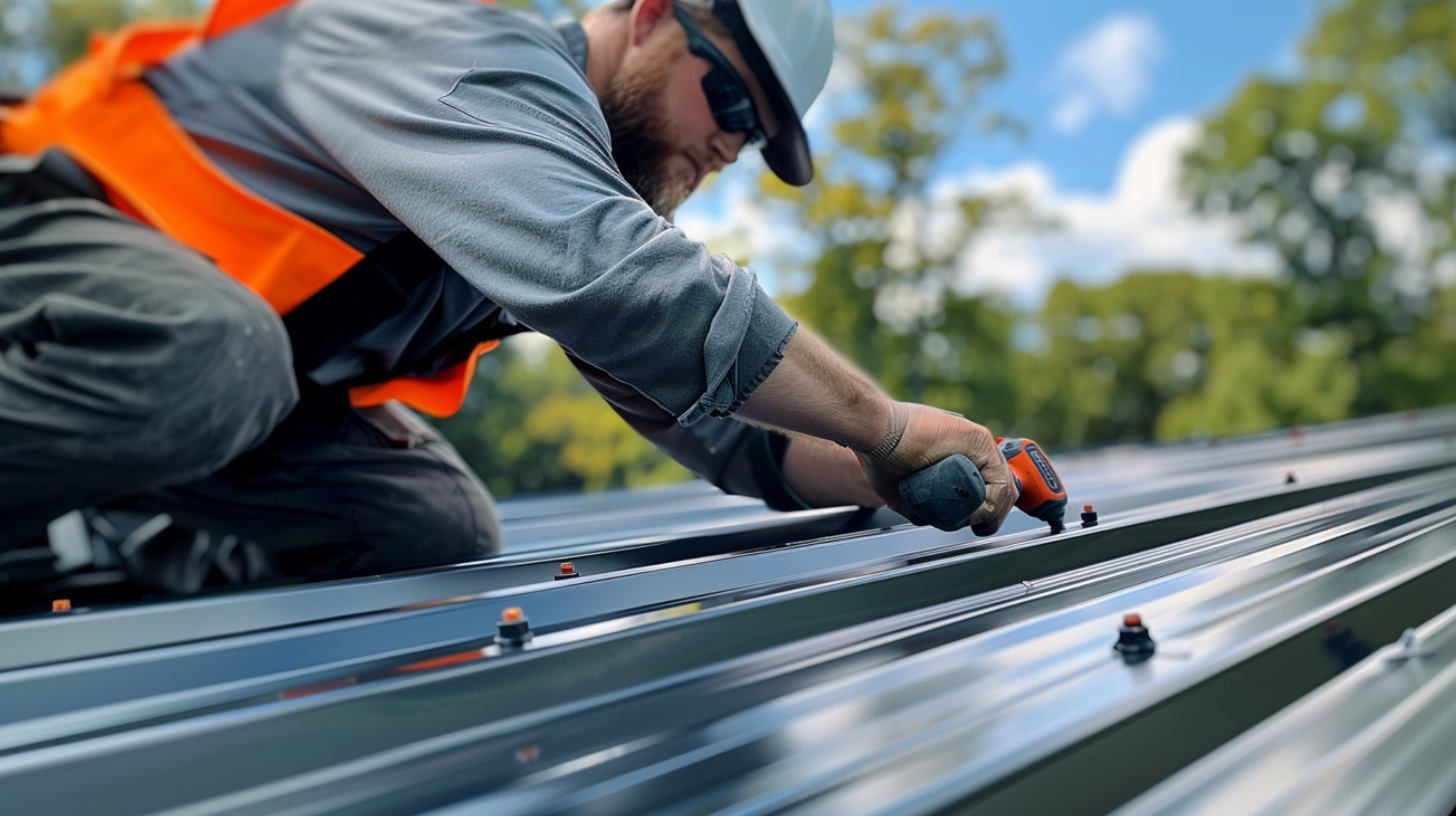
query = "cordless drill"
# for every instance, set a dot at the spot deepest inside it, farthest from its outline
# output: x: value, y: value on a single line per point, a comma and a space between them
x: 948, y: 492
x: 1043, y: 496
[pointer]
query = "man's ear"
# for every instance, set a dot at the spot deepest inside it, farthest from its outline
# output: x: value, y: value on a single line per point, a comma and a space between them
x: 647, y: 15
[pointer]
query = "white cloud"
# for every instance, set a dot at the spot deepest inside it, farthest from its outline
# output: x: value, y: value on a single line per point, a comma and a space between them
x: 1106, y: 70
x: 1142, y: 223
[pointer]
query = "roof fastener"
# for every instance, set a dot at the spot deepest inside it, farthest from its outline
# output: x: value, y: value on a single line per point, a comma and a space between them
x: 1133, y: 641
x: 1089, y: 516
x: 568, y: 570
x: 513, y: 629
x: 61, y: 605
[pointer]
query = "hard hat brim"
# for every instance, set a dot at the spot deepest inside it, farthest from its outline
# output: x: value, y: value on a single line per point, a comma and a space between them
x: 787, y: 153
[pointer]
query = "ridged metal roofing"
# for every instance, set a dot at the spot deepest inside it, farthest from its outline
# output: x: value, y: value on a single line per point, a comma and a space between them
x: 717, y: 657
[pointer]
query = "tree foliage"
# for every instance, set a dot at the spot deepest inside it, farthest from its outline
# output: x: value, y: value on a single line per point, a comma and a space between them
x: 1173, y: 355
x: 1346, y: 168
x: 39, y: 36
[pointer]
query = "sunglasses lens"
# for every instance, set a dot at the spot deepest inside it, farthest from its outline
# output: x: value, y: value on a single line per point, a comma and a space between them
x: 731, y: 107
x: 728, y: 97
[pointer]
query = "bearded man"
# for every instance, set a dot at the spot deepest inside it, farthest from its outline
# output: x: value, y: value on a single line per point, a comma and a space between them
x: 406, y: 182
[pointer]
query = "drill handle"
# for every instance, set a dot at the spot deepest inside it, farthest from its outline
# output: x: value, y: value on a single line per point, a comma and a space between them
x: 946, y: 494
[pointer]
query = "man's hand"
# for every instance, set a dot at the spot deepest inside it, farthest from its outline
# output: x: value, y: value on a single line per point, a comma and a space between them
x: 917, y: 437
x: 814, y: 392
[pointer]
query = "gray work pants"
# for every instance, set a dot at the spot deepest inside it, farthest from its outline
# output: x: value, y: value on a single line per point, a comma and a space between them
x: 134, y: 373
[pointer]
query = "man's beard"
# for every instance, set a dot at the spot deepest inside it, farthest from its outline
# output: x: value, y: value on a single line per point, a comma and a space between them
x: 632, y: 106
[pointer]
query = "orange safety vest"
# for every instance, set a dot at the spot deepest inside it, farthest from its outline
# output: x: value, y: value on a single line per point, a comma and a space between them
x: 100, y: 113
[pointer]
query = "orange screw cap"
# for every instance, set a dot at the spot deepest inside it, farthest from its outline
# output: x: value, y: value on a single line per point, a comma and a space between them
x: 1134, y: 642
x: 61, y: 605
x: 513, y: 628
x: 568, y: 570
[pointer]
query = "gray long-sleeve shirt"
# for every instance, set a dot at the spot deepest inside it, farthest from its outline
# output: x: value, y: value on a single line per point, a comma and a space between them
x: 475, y: 127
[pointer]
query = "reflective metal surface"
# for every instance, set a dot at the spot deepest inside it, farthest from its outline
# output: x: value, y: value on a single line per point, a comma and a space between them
x: 48, y: 703
x: 1379, y: 739
x: 720, y: 658
x: 905, y: 721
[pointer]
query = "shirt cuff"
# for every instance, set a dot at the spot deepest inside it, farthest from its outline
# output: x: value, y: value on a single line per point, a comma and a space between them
x: 766, y: 331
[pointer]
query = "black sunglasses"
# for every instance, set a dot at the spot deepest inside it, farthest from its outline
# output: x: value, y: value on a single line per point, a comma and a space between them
x: 728, y: 95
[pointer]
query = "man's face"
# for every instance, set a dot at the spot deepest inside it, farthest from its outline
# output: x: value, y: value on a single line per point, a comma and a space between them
x: 664, y: 137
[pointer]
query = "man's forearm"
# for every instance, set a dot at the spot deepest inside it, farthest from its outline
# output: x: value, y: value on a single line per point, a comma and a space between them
x: 823, y: 474
x: 813, y: 391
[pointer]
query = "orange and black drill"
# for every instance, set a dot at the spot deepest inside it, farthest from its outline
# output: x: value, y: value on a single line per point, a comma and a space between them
x: 1043, y: 496
x: 949, y: 491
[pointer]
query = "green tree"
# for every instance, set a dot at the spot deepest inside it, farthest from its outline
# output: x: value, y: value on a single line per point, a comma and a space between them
x: 37, y: 37
x: 1174, y: 355
x: 1341, y: 169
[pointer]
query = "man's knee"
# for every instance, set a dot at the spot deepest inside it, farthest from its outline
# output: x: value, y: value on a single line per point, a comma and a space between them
x: 204, y: 377
x: 242, y: 387
x: 129, y: 361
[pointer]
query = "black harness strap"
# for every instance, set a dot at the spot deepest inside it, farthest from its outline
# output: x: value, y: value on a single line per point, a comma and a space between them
x: 371, y: 291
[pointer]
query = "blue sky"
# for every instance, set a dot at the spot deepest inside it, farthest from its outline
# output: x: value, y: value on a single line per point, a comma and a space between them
x: 1112, y: 92
x: 1205, y: 50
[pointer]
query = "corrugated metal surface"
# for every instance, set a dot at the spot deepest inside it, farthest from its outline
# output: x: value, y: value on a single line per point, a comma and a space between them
x: 720, y: 658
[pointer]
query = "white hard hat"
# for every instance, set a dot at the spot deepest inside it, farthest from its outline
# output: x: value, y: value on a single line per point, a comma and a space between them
x: 789, y: 44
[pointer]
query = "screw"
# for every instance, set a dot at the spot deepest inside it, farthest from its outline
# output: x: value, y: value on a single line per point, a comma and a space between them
x: 1133, y: 641
x: 1289, y: 478
x: 1089, y: 516
x: 568, y: 570
x: 61, y: 605
x: 513, y: 629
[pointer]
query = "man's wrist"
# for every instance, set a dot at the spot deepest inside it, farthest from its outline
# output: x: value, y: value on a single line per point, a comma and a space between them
x: 894, y: 432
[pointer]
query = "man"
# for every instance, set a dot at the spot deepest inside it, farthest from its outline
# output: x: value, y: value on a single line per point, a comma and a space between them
x: 405, y: 180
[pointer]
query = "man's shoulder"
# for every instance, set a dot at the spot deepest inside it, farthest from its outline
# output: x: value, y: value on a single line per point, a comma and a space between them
x: 437, y: 41
x: 348, y: 25
x: 467, y: 62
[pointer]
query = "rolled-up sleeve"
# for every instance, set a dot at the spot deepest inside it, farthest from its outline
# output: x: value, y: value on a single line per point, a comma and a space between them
x: 474, y: 128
